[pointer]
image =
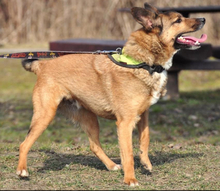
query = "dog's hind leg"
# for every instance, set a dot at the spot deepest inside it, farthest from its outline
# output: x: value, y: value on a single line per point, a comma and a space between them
x: 44, y: 110
x: 89, y: 124
x: 144, y: 140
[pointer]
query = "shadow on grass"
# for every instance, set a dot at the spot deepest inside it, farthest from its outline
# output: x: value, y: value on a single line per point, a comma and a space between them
x: 57, y: 161
x: 24, y: 178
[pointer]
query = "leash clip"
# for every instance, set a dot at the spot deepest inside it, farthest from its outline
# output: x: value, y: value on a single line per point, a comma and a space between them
x: 118, y: 50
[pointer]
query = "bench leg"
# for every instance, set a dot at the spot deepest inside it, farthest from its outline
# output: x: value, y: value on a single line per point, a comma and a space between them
x: 172, y: 85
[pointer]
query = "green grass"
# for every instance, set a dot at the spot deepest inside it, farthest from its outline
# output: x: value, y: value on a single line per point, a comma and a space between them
x: 184, y: 148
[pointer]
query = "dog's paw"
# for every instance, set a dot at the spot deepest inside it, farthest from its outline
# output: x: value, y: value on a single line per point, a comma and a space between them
x: 147, y: 165
x: 22, y: 173
x: 117, y: 167
x: 131, y: 182
x: 134, y: 184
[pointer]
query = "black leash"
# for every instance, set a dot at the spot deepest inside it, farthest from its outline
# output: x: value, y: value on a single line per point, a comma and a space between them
x: 54, y: 54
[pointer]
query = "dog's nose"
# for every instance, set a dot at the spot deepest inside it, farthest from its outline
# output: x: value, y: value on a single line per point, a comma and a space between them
x: 202, y: 20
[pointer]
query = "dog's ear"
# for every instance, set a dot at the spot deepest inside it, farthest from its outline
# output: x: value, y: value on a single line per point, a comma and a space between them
x: 149, y: 7
x: 146, y: 17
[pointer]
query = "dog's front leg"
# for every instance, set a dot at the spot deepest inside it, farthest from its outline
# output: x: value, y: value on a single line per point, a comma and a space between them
x: 125, y: 128
x: 144, y: 139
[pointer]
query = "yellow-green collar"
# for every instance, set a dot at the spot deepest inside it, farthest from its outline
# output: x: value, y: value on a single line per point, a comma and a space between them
x: 125, y: 59
x: 129, y: 62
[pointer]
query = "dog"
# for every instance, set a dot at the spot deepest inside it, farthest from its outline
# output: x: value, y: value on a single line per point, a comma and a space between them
x: 91, y: 85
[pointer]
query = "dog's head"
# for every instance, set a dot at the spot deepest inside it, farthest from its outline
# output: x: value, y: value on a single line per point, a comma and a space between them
x: 170, y: 26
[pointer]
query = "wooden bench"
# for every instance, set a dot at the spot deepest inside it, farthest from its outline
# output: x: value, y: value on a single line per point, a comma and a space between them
x: 183, y: 60
x: 185, y: 11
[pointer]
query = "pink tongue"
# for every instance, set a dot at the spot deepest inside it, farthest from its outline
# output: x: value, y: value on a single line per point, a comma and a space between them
x: 202, y: 39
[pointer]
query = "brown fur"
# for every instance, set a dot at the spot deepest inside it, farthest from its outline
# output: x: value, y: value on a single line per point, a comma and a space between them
x: 87, y: 86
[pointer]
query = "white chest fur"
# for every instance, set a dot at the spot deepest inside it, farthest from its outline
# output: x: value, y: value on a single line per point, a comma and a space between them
x: 169, y: 63
x: 161, y: 79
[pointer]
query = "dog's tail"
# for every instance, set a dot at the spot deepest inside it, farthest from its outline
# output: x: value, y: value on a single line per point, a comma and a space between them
x: 31, y: 65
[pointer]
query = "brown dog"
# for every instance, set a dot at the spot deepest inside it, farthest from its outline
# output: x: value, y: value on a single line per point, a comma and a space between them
x: 88, y: 85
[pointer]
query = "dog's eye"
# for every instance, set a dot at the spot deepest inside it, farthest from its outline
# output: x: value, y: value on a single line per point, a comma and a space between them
x: 178, y: 20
